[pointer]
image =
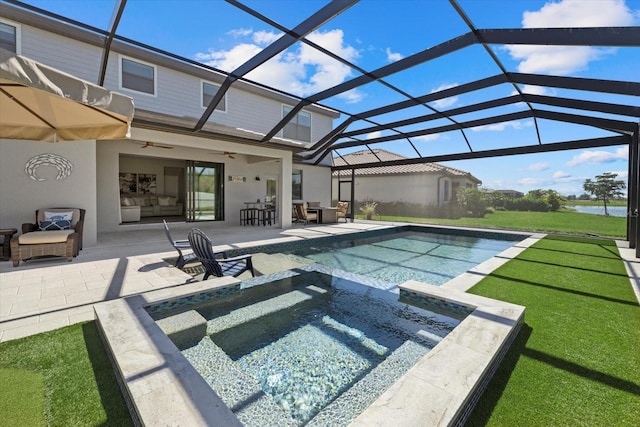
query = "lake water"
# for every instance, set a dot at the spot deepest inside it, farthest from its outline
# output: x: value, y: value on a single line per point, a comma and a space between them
x: 599, y: 210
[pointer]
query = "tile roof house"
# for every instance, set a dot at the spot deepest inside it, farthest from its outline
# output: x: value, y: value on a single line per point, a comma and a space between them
x: 426, y: 184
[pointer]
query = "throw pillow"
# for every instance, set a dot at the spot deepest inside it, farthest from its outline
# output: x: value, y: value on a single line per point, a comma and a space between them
x: 173, y: 201
x: 164, y: 200
x: 141, y: 201
x: 55, y: 225
x: 58, y: 216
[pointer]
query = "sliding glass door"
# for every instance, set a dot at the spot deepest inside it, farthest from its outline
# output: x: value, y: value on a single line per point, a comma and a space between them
x: 205, y: 191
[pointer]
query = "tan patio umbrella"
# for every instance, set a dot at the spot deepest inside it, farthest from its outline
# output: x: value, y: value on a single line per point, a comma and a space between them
x: 41, y: 103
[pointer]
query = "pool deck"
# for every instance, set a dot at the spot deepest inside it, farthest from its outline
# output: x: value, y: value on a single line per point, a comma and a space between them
x: 39, y: 296
x: 43, y: 295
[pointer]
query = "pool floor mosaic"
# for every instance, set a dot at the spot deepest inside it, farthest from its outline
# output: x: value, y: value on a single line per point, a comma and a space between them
x: 322, y: 354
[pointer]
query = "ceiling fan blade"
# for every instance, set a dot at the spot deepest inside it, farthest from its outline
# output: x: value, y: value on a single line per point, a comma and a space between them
x: 151, y: 144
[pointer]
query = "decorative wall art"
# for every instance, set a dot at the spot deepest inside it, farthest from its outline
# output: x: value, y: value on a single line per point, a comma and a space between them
x: 64, y: 166
x: 147, y: 183
x: 128, y: 182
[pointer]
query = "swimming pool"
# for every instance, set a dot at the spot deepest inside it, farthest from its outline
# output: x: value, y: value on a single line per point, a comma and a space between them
x: 394, y: 258
x: 442, y: 387
x: 311, y: 348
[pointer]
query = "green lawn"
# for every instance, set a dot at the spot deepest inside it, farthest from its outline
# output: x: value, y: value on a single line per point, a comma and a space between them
x: 59, y: 378
x: 562, y: 221
x: 576, y: 360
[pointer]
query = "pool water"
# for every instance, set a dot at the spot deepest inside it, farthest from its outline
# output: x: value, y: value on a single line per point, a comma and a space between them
x: 395, y: 258
x: 311, y: 349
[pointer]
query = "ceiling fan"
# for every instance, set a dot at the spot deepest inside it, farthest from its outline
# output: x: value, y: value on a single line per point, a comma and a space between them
x: 229, y: 154
x: 153, y: 145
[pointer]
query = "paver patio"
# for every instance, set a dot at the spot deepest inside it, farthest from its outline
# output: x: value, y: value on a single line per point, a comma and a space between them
x: 42, y: 295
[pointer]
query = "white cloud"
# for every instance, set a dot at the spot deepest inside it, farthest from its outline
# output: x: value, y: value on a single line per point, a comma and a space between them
x: 561, y: 60
x: 430, y: 137
x: 240, y: 32
x: 541, y: 166
x: 499, y: 127
x: 621, y: 174
x: 301, y: 70
x: 536, y: 90
x: 557, y: 179
x: 372, y: 135
x: 393, y: 56
x: 532, y: 182
x: 353, y: 96
x: 561, y: 174
x: 265, y: 38
x: 567, y: 13
x: 596, y: 157
x: 445, y: 102
x: 592, y: 13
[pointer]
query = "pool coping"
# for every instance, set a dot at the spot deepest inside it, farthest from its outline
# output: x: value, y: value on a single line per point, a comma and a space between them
x: 154, y: 375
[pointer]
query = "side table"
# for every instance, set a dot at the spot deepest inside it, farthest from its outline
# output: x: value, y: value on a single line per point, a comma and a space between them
x: 7, y: 234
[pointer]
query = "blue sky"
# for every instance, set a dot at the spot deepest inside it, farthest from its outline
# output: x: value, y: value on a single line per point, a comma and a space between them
x: 374, y: 33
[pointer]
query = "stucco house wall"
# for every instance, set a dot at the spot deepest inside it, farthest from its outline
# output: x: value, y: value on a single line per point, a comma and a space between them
x: 21, y: 196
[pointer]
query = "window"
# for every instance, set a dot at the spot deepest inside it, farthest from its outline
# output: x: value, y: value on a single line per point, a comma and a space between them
x: 9, y: 37
x: 299, y: 128
x: 296, y: 185
x: 138, y: 76
x: 208, y: 92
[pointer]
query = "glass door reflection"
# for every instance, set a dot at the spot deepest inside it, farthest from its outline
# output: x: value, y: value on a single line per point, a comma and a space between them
x: 205, y: 191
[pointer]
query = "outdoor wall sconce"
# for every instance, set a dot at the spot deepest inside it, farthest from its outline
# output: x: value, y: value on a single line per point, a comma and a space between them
x: 257, y: 178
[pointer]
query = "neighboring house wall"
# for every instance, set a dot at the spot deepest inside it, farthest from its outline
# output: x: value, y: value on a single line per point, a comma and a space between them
x: 421, y: 189
x: 20, y: 196
x: 427, y: 189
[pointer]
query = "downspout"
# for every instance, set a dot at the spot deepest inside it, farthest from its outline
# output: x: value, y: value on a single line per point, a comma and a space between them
x: 438, y: 190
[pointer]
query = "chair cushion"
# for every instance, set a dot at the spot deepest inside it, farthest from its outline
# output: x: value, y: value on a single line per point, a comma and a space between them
x: 40, y: 237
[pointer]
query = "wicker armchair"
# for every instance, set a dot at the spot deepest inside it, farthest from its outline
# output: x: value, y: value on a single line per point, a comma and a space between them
x: 33, y: 242
x: 343, y: 210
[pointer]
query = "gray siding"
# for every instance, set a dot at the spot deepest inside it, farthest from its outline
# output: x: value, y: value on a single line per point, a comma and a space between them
x: 177, y: 94
x: 80, y: 59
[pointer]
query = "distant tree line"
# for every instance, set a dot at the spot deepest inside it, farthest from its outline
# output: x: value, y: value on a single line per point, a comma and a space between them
x: 476, y: 203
